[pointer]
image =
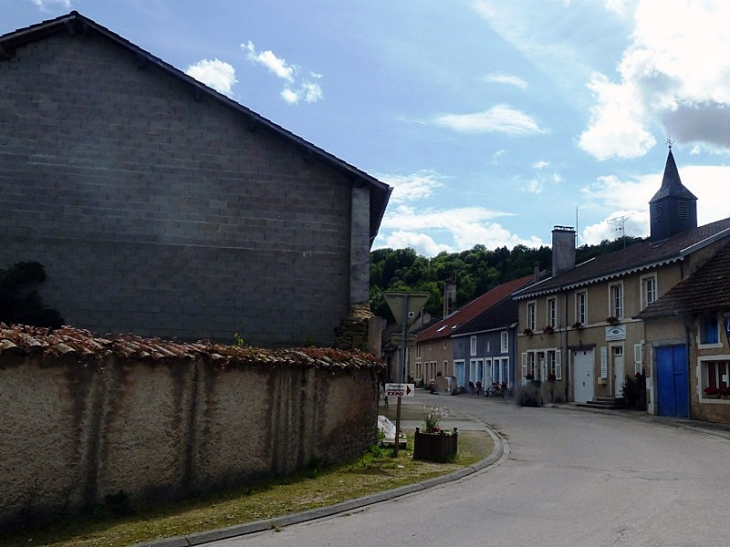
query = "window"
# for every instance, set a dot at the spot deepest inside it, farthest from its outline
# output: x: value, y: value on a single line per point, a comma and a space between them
x: 529, y: 365
x: 446, y: 344
x: 709, y: 329
x: 554, y: 366
x: 552, y: 312
x: 419, y: 348
x: 581, y: 307
x: 616, y: 301
x: 473, y: 345
x: 715, y: 376
x: 648, y: 290
x: 531, y: 315
x: 504, y: 342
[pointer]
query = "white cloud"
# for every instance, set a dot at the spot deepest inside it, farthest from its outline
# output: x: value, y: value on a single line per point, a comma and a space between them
x: 214, y: 73
x: 542, y: 164
x: 500, y: 118
x: 506, y: 79
x: 296, y: 89
x: 417, y: 186
x: 618, y: 198
x: 676, y: 72
x: 47, y: 5
x: 268, y: 59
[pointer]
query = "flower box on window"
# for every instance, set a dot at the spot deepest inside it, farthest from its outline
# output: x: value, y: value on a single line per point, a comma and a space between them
x: 527, y: 332
x: 725, y: 392
x: 551, y: 377
x: 711, y: 392
x: 577, y: 325
x: 529, y: 376
x: 547, y: 329
x: 612, y: 320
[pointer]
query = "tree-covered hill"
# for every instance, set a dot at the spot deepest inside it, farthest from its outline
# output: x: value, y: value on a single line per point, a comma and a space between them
x: 475, y: 271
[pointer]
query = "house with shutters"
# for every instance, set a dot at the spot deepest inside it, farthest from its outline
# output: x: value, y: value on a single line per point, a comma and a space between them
x: 484, y: 348
x: 472, y: 354
x: 580, y: 330
x: 687, y: 334
x: 161, y: 207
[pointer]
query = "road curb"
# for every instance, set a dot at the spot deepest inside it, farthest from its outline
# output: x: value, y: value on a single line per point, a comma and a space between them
x: 500, y: 447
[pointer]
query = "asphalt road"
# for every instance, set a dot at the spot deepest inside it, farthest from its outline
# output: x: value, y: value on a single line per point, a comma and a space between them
x: 568, y: 477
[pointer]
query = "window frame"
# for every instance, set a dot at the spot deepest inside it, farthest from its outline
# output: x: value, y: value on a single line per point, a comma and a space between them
x: 472, y: 346
x: 552, y: 312
x: 531, y: 315
x: 705, y: 377
x: 646, y: 291
x: 581, y: 301
x: 504, y: 342
x: 702, y: 330
x: 616, y: 301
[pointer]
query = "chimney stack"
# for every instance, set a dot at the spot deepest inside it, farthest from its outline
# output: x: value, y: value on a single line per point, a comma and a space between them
x: 563, y: 249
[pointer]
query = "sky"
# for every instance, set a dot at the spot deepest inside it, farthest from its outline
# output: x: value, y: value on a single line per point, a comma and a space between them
x: 493, y: 120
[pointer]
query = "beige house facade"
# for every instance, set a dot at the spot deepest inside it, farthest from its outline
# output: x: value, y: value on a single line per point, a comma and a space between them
x: 579, y: 330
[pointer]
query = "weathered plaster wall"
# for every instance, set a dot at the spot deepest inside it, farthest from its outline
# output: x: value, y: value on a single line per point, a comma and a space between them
x: 73, y: 430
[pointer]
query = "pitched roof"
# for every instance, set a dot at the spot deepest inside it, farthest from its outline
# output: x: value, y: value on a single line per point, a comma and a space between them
x: 75, y: 24
x: 671, y: 183
x: 638, y: 257
x: 707, y: 289
x: 445, y: 327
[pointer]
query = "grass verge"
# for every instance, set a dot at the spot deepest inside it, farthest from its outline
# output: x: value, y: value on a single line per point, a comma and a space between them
x: 376, y: 471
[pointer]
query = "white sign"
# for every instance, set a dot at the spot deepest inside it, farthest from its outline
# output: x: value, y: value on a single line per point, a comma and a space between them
x: 399, y: 390
x: 604, y: 362
x: 617, y: 332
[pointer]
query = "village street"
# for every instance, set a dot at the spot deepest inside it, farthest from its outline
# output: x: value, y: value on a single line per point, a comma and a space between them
x: 568, y: 477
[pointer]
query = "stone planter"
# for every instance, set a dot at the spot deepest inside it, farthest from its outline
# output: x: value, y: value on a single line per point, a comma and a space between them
x: 436, y: 447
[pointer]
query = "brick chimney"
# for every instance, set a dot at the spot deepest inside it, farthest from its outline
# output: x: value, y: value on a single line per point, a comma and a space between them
x: 563, y: 249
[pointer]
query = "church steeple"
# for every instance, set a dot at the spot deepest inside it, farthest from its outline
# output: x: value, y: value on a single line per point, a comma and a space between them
x: 673, y: 209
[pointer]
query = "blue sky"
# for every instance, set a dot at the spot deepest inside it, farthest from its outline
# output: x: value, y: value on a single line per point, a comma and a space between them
x: 494, y: 120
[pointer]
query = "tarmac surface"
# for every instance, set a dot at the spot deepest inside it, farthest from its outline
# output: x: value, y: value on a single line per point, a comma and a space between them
x: 460, y: 420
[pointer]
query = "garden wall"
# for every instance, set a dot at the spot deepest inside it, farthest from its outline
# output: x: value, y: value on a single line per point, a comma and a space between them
x: 83, y: 417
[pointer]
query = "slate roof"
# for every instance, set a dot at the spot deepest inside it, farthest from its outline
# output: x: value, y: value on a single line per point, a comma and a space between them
x: 448, y: 325
x: 76, y: 24
x: 638, y: 257
x: 706, y: 290
x: 671, y: 183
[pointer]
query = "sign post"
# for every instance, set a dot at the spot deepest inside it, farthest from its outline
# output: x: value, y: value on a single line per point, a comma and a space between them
x: 405, y: 307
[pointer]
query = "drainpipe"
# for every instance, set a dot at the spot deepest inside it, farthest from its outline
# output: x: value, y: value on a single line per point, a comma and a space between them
x: 566, y: 356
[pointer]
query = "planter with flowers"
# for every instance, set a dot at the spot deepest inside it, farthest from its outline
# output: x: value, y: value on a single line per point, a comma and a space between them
x: 551, y: 377
x: 435, y: 444
x: 711, y: 392
x: 527, y: 332
x: 548, y: 329
x: 529, y: 376
x: 577, y: 325
x: 725, y: 392
x: 612, y: 320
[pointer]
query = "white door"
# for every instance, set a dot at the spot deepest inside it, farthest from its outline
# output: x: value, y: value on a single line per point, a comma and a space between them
x: 618, y: 370
x: 583, y: 363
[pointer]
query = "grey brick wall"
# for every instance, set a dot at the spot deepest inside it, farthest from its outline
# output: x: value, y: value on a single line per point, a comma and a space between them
x: 163, y: 215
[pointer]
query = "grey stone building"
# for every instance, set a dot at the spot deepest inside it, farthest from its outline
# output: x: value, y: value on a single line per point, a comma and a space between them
x: 161, y: 207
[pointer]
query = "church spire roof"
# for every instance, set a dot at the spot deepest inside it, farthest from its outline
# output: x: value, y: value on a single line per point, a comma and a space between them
x: 671, y: 183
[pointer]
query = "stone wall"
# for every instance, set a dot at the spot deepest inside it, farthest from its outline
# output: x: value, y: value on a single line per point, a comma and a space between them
x: 83, y: 417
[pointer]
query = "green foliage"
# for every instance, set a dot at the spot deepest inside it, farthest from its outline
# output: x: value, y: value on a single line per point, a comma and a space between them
x: 20, y: 303
x: 475, y: 271
x: 633, y: 391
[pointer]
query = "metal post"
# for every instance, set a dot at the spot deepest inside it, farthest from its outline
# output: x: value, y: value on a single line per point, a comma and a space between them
x: 401, y: 369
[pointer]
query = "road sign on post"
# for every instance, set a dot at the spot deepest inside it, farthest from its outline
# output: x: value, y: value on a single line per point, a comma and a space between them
x: 405, y: 307
x: 399, y: 390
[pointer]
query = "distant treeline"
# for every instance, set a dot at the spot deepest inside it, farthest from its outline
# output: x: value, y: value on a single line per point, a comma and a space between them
x: 474, y: 272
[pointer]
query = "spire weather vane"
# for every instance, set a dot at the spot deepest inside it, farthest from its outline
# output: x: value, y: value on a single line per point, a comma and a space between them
x: 670, y: 142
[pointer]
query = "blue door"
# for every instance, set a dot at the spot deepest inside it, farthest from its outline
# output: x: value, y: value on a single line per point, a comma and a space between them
x: 673, y: 393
